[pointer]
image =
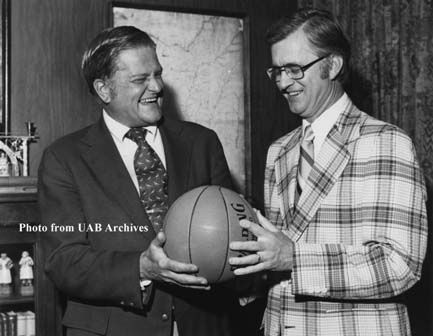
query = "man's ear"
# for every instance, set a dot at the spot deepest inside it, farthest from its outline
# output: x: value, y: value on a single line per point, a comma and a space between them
x: 103, y: 90
x: 336, y: 66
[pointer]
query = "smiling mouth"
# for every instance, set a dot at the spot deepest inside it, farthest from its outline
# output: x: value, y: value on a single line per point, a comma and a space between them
x: 149, y: 100
x: 293, y: 93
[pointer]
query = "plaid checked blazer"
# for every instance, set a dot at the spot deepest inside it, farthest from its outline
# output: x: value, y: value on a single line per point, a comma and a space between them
x: 360, y: 231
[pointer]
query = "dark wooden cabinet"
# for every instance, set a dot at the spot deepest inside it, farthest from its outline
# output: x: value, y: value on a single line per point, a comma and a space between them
x: 20, y: 231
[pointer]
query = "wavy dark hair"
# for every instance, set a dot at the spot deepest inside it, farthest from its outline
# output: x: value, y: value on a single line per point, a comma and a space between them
x: 100, y: 59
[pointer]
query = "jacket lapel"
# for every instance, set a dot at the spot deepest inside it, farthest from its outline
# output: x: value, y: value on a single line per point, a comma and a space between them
x: 286, y: 168
x: 109, y: 170
x: 334, y: 156
x: 177, y: 156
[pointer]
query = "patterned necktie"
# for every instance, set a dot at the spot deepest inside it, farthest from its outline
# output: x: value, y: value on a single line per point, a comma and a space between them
x: 306, y: 158
x: 152, y: 178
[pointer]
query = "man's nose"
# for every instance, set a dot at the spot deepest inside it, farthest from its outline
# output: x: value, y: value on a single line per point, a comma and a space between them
x: 285, y: 81
x: 155, y: 84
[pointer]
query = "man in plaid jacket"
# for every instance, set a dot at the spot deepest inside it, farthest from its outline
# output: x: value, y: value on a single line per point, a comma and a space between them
x: 340, y: 248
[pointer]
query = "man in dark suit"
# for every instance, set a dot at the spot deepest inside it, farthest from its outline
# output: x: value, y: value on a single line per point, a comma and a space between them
x: 94, y: 184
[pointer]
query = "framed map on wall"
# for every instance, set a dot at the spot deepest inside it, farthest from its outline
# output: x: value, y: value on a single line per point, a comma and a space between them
x: 205, y: 61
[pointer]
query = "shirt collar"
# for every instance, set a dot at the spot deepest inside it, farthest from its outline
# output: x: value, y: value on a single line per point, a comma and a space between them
x: 323, y: 124
x: 118, y: 130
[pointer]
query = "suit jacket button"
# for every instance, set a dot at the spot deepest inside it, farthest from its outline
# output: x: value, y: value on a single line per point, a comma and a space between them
x: 122, y: 303
x: 164, y: 317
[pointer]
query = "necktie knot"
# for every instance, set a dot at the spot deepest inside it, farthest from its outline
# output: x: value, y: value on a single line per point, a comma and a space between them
x: 137, y: 134
x: 308, y: 134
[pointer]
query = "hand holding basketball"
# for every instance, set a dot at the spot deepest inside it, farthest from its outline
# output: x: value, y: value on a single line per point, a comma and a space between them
x: 272, y: 251
x: 155, y: 265
x: 200, y: 226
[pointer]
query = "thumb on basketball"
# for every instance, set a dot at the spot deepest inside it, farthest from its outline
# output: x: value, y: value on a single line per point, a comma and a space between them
x: 160, y: 239
x: 264, y: 222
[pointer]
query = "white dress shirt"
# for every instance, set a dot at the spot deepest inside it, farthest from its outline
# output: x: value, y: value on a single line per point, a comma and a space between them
x: 127, y: 147
x: 323, y: 124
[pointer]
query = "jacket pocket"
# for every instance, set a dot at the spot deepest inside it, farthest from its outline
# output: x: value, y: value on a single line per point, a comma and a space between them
x: 90, y: 318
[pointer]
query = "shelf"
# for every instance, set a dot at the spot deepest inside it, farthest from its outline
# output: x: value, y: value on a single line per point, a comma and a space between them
x: 16, y: 299
x: 18, y: 204
x: 18, y: 189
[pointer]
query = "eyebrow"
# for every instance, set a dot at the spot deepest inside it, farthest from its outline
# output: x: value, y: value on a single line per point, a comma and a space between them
x: 146, y: 74
x: 286, y: 65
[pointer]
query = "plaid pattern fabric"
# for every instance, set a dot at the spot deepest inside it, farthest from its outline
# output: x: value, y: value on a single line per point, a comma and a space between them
x: 359, y: 227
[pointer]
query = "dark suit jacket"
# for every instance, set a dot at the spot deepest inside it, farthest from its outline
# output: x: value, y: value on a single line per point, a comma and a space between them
x: 82, y: 179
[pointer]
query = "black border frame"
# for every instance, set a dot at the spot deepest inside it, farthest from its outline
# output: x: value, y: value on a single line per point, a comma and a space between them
x: 5, y: 66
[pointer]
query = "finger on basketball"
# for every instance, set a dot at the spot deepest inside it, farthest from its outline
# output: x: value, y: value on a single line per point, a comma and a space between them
x: 254, y: 228
x: 249, y: 269
x: 187, y: 279
x: 251, y: 259
x: 251, y: 246
x: 265, y: 223
x: 180, y: 267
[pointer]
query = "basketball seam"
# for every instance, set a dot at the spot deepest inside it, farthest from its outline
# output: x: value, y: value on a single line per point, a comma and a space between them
x: 190, y: 223
x: 228, y: 234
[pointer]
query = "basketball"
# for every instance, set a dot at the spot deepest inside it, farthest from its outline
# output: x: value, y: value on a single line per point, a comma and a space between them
x: 200, y: 225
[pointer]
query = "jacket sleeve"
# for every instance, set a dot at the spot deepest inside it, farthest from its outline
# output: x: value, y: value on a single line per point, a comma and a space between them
x: 77, y: 268
x: 220, y: 173
x: 390, y: 223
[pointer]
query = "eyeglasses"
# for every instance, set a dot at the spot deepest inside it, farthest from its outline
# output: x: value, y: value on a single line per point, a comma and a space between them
x: 294, y: 71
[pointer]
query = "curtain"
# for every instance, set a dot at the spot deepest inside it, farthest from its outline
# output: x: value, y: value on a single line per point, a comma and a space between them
x: 392, y: 62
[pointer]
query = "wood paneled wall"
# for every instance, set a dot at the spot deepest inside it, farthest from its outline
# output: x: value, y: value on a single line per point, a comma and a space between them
x: 47, y: 41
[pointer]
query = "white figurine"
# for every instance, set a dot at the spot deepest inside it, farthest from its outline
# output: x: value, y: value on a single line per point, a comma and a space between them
x: 5, y: 270
x: 26, y: 269
x: 4, y: 165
